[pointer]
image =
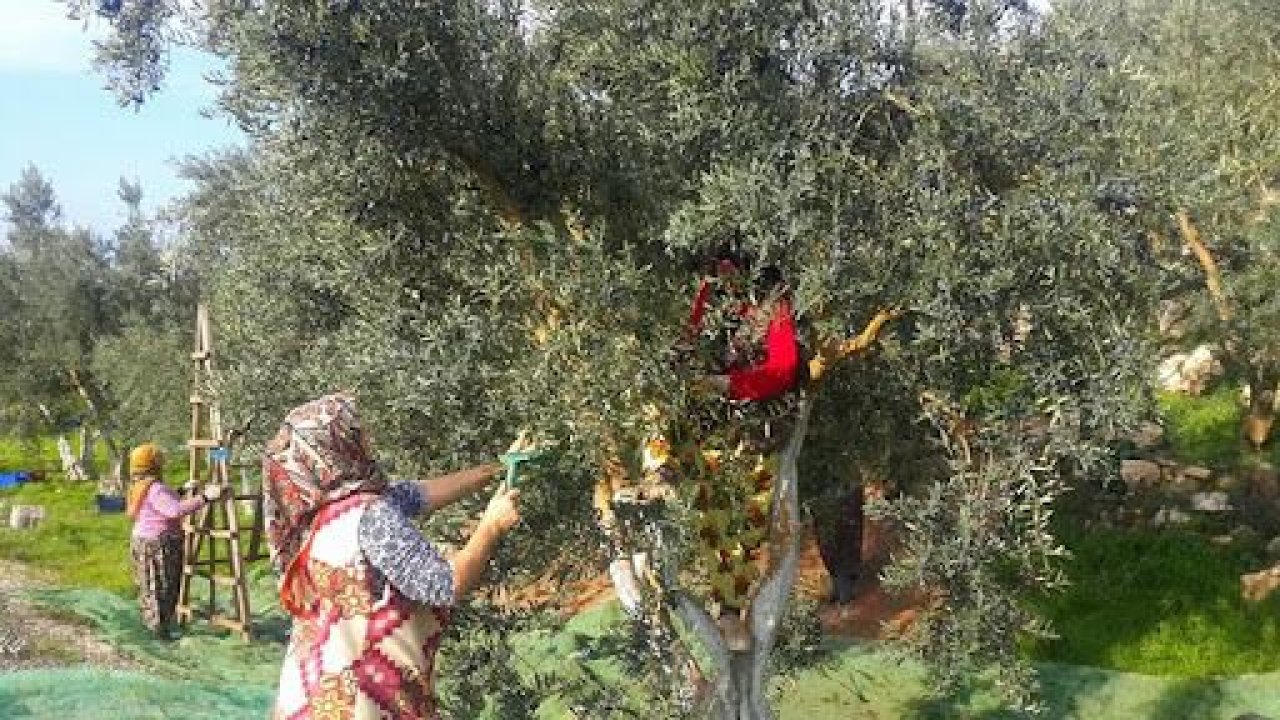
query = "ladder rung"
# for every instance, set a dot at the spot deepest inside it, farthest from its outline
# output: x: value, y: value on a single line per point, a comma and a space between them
x: 200, y: 355
x: 222, y: 534
x: 195, y: 571
x: 228, y: 623
x: 203, y: 444
x: 204, y: 532
x: 193, y: 611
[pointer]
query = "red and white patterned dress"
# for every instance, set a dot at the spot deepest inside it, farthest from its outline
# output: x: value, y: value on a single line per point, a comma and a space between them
x: 362, y: 650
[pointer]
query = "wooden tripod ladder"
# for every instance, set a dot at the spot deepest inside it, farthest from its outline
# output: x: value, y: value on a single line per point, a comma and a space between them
x: 217, y: 523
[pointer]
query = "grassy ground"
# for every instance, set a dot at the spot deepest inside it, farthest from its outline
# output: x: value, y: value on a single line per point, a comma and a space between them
x: 1168, y: 603
x: 1206, y: 430
x: 1163, y: 603
x: 35, y: 454
x: 78, y: 546
x: 75, y: 544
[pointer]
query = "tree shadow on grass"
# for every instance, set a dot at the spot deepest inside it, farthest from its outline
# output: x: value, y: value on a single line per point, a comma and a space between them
x: 1066, y: 687
x: 12, y: 707
x: 1200, y: 699
x: 1189, y: 699
x: 1061, y: 690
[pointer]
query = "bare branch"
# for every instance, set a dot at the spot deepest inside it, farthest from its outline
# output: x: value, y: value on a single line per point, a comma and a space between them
x: 511, y: 212
x: 1213, y: 277
x: 832, y: 351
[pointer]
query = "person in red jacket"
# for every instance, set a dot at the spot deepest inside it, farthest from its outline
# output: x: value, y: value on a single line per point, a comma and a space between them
x: 761, y: 355
x: 742, y: 348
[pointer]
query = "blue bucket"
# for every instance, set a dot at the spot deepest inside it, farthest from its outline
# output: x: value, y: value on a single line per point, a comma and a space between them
x: 110, y: 503
x: 13, y: 479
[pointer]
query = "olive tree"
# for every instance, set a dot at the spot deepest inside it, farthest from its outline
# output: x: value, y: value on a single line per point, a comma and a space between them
x: 484, y: 216
x: 95, y: 333
x: 56, y: 306
x: 1202, y: 161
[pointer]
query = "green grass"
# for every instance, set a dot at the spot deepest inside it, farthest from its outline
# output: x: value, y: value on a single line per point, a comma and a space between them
x: 78, y: 546
x: 41, y: 454
x: 1160, y: 603
x: 36, y: 454
x: 1206, y: 429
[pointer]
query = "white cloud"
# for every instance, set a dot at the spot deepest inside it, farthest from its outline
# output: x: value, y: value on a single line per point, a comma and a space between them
x: 37, y: 36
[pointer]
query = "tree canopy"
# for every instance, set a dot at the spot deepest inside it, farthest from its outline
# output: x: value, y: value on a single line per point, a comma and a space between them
x: 484, y: 216
x: 95, y: 331
x: 1203, y: 161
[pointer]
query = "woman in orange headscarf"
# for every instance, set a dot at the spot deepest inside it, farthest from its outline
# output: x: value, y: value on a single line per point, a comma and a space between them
x: 155, y: 545
x: 369, y: 595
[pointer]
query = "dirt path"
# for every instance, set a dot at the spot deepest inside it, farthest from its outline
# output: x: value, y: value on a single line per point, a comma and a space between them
x: 33, y: 638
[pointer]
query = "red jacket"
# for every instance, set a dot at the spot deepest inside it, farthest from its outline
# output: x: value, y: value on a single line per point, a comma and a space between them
x: 775, y: 374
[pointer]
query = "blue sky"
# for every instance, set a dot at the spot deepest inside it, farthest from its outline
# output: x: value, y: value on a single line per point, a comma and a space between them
x: 56, y: 114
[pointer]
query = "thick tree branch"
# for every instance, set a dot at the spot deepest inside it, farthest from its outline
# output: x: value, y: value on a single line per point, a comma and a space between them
x: 701, y: 625
x: 512, y: 213
x: 1213, y: 277
x: 770, y: 602
x: 832, y: 351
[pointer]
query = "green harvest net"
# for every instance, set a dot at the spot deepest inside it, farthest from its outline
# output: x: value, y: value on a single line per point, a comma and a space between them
x: 208, y: 674
x: 205, y: 674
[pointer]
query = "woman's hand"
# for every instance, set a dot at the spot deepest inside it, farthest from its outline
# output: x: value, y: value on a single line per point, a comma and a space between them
x: 503, y: 511
x: 444, y: 490
x: 469, y: 563
x: 484, y: 474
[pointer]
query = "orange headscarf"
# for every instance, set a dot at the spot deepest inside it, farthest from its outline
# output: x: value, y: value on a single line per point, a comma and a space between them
x: 144, y: 467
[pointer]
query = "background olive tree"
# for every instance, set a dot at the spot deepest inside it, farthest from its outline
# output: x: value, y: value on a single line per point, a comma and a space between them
x: 55, y: 308
x: 1202, y: 161
x: 95, y: 333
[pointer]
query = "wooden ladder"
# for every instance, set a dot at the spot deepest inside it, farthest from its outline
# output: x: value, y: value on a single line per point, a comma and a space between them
x: 251, y: 497
x: 217, y: 523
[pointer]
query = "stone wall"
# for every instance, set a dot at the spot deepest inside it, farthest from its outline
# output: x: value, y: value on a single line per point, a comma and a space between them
x: 1232, y: 507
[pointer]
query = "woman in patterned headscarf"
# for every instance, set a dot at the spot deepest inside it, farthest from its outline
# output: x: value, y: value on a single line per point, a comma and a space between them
x: 370, y: 596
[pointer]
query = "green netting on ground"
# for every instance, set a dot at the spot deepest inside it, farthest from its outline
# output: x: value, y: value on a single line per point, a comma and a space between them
x: 208, y: 675
x: 889, y: 690
x: 200, y: 653
x: 104, y: 695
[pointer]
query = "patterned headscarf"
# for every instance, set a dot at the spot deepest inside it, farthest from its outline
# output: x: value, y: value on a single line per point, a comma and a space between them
x: 319, y: 457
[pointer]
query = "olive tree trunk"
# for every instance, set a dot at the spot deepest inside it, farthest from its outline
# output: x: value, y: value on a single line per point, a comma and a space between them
x: 1262, y: 406
x: 738, y: 680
